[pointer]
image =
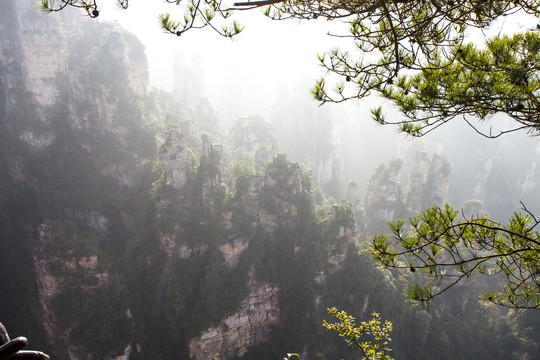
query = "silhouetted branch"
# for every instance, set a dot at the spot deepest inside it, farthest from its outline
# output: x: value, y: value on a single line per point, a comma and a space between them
x: 258, y: 3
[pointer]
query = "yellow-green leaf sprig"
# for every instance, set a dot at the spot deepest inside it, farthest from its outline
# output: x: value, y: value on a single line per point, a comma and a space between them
x: 371, y: 337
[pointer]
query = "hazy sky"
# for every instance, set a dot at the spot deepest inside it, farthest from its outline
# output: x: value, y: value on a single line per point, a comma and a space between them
x: 248, y: 74
x: 264, y: 56
x: 270, y: 60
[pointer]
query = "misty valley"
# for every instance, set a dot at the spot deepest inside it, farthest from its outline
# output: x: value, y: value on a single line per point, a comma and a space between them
x: 137, y: 223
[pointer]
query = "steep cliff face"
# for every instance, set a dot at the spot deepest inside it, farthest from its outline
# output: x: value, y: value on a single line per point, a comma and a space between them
x: 75, y: 285
x: 189, y: 187
x: 32, y: 52
x: 60, y: 125
x: 429, y: 182
x: 48, y: 288
x: 35, y: 50
x: 383, y: 198
x: 327, y: 172
x: 48, y: 58
x: 438, y: 180
x: 198, y: 230
x: 11, y: 50
x: 209, y: 174
x: 56, y: 270
x: 251, y: 133
x: 354, y: 197
x: 388, y: 198
x: 418, y: 178
x: 173, y: 154
x: 238, y: 332
x: 44, y: 52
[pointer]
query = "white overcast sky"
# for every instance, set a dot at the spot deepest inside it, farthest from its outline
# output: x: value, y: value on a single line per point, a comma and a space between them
x: 268, y: 57
x: 264, y: 57
x: 272, y: 57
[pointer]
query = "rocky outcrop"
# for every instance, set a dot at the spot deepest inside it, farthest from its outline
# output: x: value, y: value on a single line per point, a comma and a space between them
x: 429, y: 181
x: 288, y: 176
x: 283, y: 181
x: 327, y: 171
x: 438, y: 180
x: 353, y: 197
x: 127, y: 50
x: 247, y: 327
x: 209, y: 174
x: 387, y: 198
x: 45, y: 53
x: 37, y: 142
x: 418, y: 178
x: 232, y: 251
x: 53, y: 270
x: 323, y: 171
x: 163, y: 240
x: 174, y: 247
x: 42, y: 55
x: 173, y: 154
x: 472, y: 209
x: 37, y: 45
x: 208, y: 189
x: 213, y: 153
x: 92, y: 219
x: 12, y: 76
x: 251, y: 133
x: 383, y: 198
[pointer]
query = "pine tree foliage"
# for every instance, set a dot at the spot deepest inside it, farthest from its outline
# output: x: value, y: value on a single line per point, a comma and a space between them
x: 473, y: 82
x: 450, y: 250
